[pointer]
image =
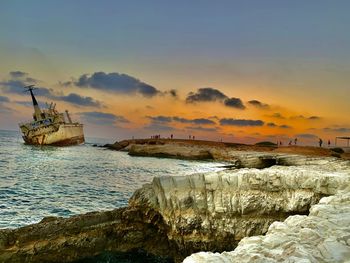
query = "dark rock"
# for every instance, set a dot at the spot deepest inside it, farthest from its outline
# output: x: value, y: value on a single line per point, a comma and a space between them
x: 337, y: 155
x: 266, y: 143
x: 88, y: 235
x: 134, y: 256
x: 337, y: 150
x: 117, y: 146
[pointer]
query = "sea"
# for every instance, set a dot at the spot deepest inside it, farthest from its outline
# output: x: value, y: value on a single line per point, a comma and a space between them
x: 41, y: 181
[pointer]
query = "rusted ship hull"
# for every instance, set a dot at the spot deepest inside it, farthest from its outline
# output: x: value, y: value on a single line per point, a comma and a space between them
x: 62, y: 135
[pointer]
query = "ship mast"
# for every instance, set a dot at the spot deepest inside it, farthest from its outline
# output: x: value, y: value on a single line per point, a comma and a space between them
x: 37, y: 112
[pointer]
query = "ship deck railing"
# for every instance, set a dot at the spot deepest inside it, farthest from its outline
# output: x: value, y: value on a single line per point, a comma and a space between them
x: 25, y: 122
x: 32, y: 121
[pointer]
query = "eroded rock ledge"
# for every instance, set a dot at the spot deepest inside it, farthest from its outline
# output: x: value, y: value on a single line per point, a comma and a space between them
x: 177, y: 216
x: 323, y: 236
x: 214, y: 211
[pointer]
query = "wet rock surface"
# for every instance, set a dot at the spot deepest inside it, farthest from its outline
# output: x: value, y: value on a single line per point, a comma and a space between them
x: 173, y: 217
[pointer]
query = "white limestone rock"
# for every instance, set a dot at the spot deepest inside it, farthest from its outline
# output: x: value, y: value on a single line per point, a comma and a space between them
x: 216, y: 210
x: 323, y: 236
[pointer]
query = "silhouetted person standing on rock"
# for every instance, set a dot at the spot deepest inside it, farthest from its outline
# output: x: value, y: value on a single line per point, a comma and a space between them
x: 320, y: 142
x: 329, y: 143
x: 295, y: 141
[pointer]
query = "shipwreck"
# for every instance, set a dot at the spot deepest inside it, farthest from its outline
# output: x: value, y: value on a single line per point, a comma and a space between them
x: 50, y: 127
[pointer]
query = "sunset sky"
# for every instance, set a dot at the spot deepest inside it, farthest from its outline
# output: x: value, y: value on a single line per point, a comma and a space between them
x: 240, y: 71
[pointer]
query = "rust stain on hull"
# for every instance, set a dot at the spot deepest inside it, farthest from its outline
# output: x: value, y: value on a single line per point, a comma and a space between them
x: 67, y: 142
x: 64, y: 135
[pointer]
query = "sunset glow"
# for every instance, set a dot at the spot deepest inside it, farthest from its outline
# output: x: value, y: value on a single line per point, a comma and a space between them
x: 263, y: 71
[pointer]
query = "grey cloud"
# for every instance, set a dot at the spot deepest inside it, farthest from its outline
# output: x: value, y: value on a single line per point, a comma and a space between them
x: 45, y: 92
x: 121, y: 119
x: 200, y: 128
x: 16, y: 82
x: 21, y: 79
x: 182, y: 120
x: 284, y: 126
x: 14, y: 86
x: 30, y: 80
x: 199, y: 121
x: 72, y: 98
x: 115, y: 82
x: 277, y: 115
x: 160, y: 118
x: 195, y: 121
x: 29, y: 103
x: 338, y: 129
x: 211, y: 94
x: 205, y: 95
x: 17, y: 74
x: 80, y: 100
x: 4, y: 99
x: 234, y: 103
x: 102, y: 118
x: 173, y: 93
x: 241, y: 122
x: 258, y: 104
x: 314, y: 118
x: 302, y: 117
x: 3, y: 108
x: 66, y: 83
x: 202, y: 121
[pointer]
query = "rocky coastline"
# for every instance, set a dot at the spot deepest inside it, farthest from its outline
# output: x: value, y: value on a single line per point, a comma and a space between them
x: 269, y: 206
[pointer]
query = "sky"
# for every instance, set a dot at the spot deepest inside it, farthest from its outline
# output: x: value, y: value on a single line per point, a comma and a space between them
x: 237, y: 71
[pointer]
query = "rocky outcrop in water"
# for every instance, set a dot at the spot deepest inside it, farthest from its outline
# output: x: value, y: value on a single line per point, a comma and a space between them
x: 179, y: 148
x: 66, y: 240
x: 170, y: 151
x: 177, y: 216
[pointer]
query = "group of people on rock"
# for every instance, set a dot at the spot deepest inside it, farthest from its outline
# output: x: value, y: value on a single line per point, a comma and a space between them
x: 290, y: 142
x: 157, y: 136
x: 320, y: 142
